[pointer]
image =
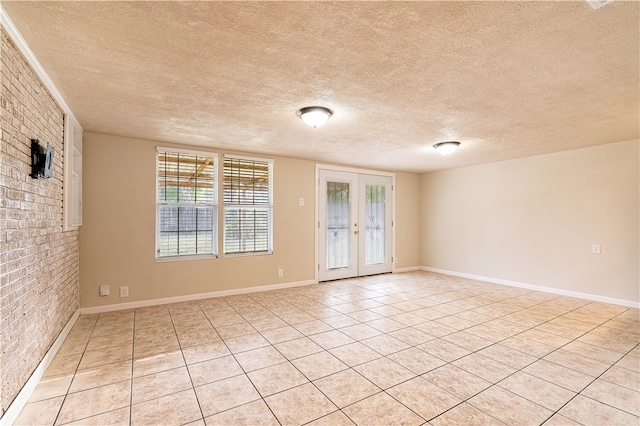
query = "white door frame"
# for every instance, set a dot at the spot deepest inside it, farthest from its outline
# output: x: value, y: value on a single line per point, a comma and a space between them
x: 333, y: 168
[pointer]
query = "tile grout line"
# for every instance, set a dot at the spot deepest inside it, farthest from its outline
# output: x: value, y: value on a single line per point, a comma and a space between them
x: 542, y: 358
x: 287, y: 360
x: 495, y: 343
x: 133, y: 351
x: 193, y: 386
x: 531, y: 363
x: 241, y: 367
x: 75, y: 372
x: 386, y: 333
x: 593, y: 381
x: 384, y: 391
x: 306, y: 377
x: 478, y: 350
x: 296, y: 298
x: 421, y: 375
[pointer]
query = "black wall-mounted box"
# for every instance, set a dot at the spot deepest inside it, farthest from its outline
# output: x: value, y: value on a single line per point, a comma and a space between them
x: 41, y: 160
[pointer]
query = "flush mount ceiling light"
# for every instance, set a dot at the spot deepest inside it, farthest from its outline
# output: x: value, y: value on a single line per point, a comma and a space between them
x: 314, y: 116
x: 597, y: 4
x: 446, y: 148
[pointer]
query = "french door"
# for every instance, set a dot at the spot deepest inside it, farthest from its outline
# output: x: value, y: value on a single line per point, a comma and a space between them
x: 355, y: 224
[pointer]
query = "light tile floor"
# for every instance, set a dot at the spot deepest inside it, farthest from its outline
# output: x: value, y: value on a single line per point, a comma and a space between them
x: 412, y: 348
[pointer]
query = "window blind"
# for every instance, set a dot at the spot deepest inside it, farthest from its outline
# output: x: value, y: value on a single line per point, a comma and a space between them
x: 186, y: 203
x: 248, y: 205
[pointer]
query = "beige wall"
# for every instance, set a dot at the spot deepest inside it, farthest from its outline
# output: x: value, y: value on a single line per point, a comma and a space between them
x: 118, y: 234
x: 533, y: 220
x: 407, y: 220
x: 117, y: 238
x: 38, y: 261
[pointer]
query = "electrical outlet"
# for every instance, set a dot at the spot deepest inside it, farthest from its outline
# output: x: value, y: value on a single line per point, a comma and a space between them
x: 105, y: 290
x: 124, y: 291
x: 595, y: 248
x: 280, y: 272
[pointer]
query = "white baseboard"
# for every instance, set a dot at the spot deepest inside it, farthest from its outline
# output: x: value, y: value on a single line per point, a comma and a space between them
x: 200, y: 296
x: 406, y: 269
x: 579, y: 295
x: 190, y: 297
x: 18, y: 404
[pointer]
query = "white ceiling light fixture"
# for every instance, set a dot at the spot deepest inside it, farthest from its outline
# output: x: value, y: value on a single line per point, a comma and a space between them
x: 314, y: 116
x: 597, y: 4
x: 446, y: 148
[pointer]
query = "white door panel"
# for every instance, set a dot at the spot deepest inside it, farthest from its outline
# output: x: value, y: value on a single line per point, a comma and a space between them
x: 355, y: 232
x: 337, y: 214
x: 375, y: 210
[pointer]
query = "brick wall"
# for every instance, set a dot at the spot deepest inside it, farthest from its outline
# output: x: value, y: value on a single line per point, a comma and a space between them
x: 39, y: 268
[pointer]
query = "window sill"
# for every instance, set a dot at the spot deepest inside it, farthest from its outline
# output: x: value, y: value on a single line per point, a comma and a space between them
x: 261, y: 253
x: 178, y: 258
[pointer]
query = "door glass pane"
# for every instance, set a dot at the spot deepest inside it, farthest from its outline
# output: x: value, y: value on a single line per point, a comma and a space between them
x: 374, y: 245
x: 338, y: 218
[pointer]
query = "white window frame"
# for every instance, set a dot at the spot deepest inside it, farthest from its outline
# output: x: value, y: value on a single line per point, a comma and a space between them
x: 214, y: 207
x: 72, y: 179
x: 268, y: 208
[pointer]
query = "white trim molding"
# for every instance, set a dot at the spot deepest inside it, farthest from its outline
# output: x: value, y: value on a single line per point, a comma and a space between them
x: 18, y: 404
x: 30, y: 57
x: 191, y: 297
x: 559, y: 291
x: 406, y: 269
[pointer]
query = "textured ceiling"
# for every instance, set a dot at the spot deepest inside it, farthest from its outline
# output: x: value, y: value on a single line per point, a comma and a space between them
x: 507, y: 79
